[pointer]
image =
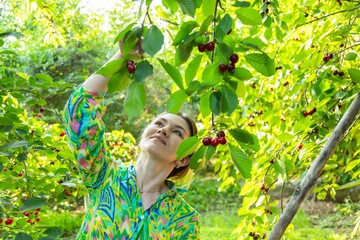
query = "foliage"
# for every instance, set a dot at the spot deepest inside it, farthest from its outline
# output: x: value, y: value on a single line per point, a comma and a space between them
x: 296, y: 74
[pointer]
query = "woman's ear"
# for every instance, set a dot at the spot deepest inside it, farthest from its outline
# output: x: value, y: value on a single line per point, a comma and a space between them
x: 183, y: 162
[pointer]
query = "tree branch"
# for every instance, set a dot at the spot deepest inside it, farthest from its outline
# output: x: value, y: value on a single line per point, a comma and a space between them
x: 315, y: 169
x: 317, y: 19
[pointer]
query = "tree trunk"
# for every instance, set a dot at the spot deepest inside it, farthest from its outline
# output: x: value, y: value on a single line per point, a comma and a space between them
x: 315, y: 169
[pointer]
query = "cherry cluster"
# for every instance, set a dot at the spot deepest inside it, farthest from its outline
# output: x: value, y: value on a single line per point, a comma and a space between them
x: 131, y: 66
x: 264, y: 188
x: 33, y: 217
x: 328, y: 56
x: 336, y: 72
x: 254, y: 235
x: 309, y: 113
x: 219, y: 139
x: 210, y: 46
x: 234, y: 58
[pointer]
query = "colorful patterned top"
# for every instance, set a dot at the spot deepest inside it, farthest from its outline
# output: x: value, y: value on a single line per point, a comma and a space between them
x: 115, y: 208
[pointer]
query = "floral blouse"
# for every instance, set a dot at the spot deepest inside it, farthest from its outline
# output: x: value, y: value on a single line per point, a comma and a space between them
x: 115, y: 209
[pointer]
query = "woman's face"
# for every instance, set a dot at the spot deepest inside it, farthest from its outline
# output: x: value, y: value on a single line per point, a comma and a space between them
x: 162, y: 136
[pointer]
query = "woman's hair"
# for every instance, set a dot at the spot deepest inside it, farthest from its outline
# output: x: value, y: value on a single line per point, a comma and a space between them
x: 179, y: 173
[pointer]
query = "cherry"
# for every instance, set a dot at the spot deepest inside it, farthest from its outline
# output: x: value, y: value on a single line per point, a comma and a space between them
x: 202, y: 47
x: 26, y: 214
x: 42, y: 109
x: 325, y: 58
x: 305, y: 114
x: 131, y: 69
x: 62, y: 134
x: 210, y: 46
x: 38, y: 209
x: 231, y: 67
x: 37, y: 219
x: 29, y: 220
x: 330, y: 56
x: 222, y: 140
x: 36, y: 213
x: 335, y: 72
x: 9, y: 221
x: 341, y: 74
x: 262, y: 186
x: 40, y: 115
x: 272, y: 161
x: 299, y: 146
x: 223, y: 67
x: 312, y: 111
x: 215, y: 142
x: 342, y: 45
x: 1, y: 220
x: 5, y: 170
x: 234, y: 58
x: 20, y: 174
x: 221, y: 134
x: 206, y: 141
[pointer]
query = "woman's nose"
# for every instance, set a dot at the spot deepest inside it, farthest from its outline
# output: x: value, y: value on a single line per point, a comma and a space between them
x: 162, y: 130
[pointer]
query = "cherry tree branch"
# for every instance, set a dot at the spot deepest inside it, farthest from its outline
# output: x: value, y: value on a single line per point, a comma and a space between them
x: 318, y: 19
x: 315, y: 169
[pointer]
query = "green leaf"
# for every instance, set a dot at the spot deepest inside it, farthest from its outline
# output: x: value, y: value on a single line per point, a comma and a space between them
x: 23, y: 236
x: 53, y: 232
x: 153, y: 41
x: 205, y: 24
x: 196, y: 157
x: 111, y: 68
x: 32, y: 203
x: 261, y: 63
x: 193, y: 86
x: 285, y: 137
x: 210, y: 150
x: 183, y: 52
x: 187, y: 147
x: 229, y: 99
x: 8, y: 52
x: 204, y: 105
x: 223, y: 27
x: 184, y: 31
x: 215, y: 106
x: 15, y: 145
x: 211, y: 75
x: 192, y: 69
x: 119, y: 81
x: 123, y: 32
x: 188, y: 7
x: 176, y: 101
x: 354, y: 75
x: 171, y: 4
x: 45, y: 78
x: 135, y: 100
x: 242, y: 135
x: 12, y: 33
x: 22, y: 157
x: 241, y: 161
x: 143, y: 70
x: 279, y: 167
x: 242, y: 74
x: 249, y: 16
x: 351, y: 56
x: 173, y: 72
x: 352, y: 164
x: 208, y: 7
x: 241, y: 4
x: 131, y: 39
x: 349, y: 185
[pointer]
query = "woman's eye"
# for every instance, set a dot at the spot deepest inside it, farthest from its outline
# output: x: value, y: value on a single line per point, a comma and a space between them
x: 158, y: 124
x: 178, y: 133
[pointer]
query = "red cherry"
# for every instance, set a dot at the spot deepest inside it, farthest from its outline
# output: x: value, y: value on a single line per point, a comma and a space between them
x: 222, y: 140
x: 62, y: 134
x: 335, y: 72
x: 312, y: 111
x: 26, y: 214
x: 305, y: 114
x: 262, y: 186
x: 5, y: 169
x: 210, y: 46
x: 38, y: 209
x: 223, y: 67
x: 131, y: 69
x: 20, y: 174
x: 272, y: 161
x: 221, y: 134
x: 42, y: 109
x: 231, y: 67
x: 37, y: 219
x: 206, y: 141
x: 202, y: 47
x: 9, y: 221
x: 341, y: 74
x: 36, y: 213
x: 342, y: 45
x: 299, y: 146
x: 29, y: 220
x: 40, y: 115
x: 330, y: 56
x: 234, y: 58
x: 214, y: 142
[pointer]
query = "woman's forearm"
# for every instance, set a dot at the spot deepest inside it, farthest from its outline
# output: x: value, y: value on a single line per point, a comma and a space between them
x: 97, y: 82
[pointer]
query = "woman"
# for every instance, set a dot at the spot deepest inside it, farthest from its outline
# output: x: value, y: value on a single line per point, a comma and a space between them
x: 129, y: 202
